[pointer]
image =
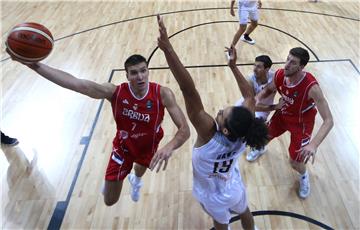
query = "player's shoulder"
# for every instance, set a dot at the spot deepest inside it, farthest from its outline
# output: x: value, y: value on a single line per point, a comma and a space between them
x: 271, y: 73
x: 310, y: 76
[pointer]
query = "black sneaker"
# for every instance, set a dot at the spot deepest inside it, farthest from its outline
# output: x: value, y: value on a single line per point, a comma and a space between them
x: 6, y: 140
x: 247, y: 39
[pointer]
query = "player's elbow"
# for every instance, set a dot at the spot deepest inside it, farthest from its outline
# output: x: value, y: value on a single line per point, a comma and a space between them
x: 330, y: 122
x: 185, y: 132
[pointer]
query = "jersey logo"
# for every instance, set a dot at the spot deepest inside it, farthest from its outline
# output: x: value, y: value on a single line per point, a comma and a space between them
x: 123, y: 134
x: 135, y: 106
x: 296, y: 94
x: 149, y: 104
x: 125, y: 101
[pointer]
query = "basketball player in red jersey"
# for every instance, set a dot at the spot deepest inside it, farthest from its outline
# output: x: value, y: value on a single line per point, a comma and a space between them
x: 138, y: 109
x: 300, y: 95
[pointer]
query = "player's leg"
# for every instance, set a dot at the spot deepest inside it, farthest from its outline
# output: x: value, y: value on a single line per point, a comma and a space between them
x: 246, y: 38
x: 139, y: 170
x: 135, y: 181
x: 254, y: 17
x: 112, y: 191
x: 219, y: 226
x: 219, y: 213
x: 243, y: 18
x: 276, y: 128
x: 300, y: 137
x: 255, y: 153
x: 241, y: 207
x: 118, y: 168
x: 247, y: 220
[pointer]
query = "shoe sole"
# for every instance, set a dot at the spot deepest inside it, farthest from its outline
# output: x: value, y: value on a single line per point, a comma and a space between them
x: 251, y: 43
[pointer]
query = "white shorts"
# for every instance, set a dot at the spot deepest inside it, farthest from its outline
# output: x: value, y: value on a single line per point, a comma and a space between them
x: 244, y: 15
x: 219, y: 206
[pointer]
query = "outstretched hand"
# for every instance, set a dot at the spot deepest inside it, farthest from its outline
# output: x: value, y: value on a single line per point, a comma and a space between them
x: 160, y: 157
x: 14, y: 58
x: 163, y: 39
x: 231, y: 55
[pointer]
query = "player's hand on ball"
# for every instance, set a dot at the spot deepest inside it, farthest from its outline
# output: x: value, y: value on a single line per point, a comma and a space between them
x: 14, y: 58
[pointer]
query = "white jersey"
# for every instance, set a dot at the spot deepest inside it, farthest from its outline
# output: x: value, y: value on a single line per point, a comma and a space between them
x: 257, y: 88
x: 247, y: 4
x: 215, y: 169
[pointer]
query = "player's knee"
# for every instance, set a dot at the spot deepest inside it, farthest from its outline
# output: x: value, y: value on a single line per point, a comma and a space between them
x: 243, y: 26
x: 110, y: 201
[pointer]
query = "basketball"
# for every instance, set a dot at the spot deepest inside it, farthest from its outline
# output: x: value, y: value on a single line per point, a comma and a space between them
x: 30, y: 42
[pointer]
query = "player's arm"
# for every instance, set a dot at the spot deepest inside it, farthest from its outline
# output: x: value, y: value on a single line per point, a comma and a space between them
x: 264, y: 93
x: 317, y: 95
x: 267, y: 108
x: 182, y: 134
x: 68, y: 81
x: 246, y: 89
x: 203, y: 122
x: 232, y: 7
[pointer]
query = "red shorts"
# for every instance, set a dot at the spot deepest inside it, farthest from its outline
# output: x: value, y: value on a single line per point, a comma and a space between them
x: 121, y: 160
x: 300, y: 132
x: 121, y: 163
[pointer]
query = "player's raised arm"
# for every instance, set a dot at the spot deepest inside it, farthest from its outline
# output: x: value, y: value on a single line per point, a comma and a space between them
x: 202, y: 121
x: 244, y: 86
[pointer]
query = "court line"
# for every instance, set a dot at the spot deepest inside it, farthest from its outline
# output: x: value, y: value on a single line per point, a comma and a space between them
x: 192, y: 10
x: 282, y: 213
x: 246, y: 64
x: 215, y: 22
x: 61, y: 206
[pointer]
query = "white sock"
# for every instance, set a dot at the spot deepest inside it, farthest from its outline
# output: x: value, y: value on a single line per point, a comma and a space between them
x: 137, y: 179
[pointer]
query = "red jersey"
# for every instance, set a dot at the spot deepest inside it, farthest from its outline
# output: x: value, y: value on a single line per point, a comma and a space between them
x: 137, y: 120
x: 298, y: 107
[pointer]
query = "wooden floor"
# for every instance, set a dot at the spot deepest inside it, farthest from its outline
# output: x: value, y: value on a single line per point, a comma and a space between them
x: 58, y: 128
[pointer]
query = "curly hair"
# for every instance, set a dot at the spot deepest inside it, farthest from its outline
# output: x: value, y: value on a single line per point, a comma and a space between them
x: 243, y: 124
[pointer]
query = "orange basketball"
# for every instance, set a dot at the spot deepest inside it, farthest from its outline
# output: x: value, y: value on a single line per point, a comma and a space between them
x: 30, y: 42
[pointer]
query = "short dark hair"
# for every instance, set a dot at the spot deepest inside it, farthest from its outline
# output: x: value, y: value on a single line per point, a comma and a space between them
x: 264, y: 59
x: 300, y: 53
x: 134, y: 60
x: 243, y: 124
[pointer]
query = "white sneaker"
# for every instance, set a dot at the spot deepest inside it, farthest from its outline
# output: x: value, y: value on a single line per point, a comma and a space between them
x: 255, y: 154
x: 247, y: 39
x: 304, y: 189
x: 135, y: 187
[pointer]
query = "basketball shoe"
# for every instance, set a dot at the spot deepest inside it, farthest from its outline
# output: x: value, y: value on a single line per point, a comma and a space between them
x: 247, y: 39
x: 6, y: 140
x: 255, y: 154
x: 136, y: 184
